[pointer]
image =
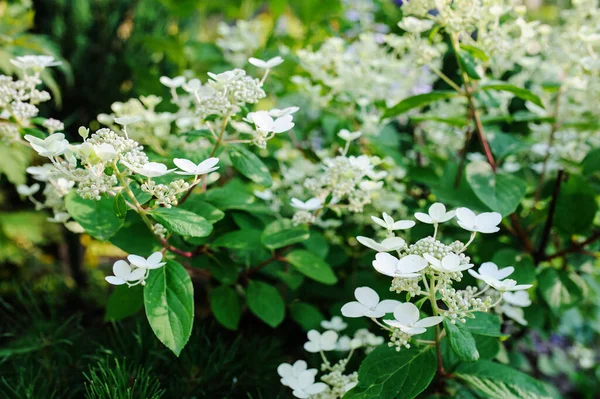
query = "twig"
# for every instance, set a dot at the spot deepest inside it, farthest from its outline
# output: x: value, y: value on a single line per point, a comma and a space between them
x: 576, y: 247
x: 541, y: 250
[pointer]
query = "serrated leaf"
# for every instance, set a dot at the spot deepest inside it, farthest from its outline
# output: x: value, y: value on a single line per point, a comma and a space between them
x: 265, y: 302
x: 96, y: 217
x: 461, y: 341
x: 388, y: 374
x: 283, y: 232
x: 250, y: 166
x: 226, y: 307
x: 523, y: 94
x: 182, y: 222
x: 419, y: 100
x: 169, y: 303
x: 312, y: 266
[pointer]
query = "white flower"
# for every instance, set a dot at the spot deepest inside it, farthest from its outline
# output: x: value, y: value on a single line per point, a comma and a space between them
x: 192, y: 86
x: 41, y: 173
x: 515, y: 313
x: 123, y: 273
x: 415, y: 25
x: 227, y: 76
x: 51, y: 146
x: 290, y: 373
x: 406, y: 267
x: 368, y: 185
x: 486, y: 222
x: 368, y: 304
x: 26, y: 190
x: 311, y: 205
x: 172, y: 83
x: 346, y: 343
x: 59, y: 217
x: 265, y: 195
x: 127, y: 120
x: 151, y: 169
x: 490, y: 269
x: 265, y: 123
x: 272, y: 63
x: 519, y: 298
x: 406, y: 318
x: 336, y: 323
x: 152, y: 262
x: 388, y: 223
x: 387, y: 245
x: 449, y: 264
x: 35, y: 62
x: 305, y: 386
x: 320, y: 342
x: 276, y: 112
x: 437, y: 214
x: 346, y: 135
x: 191, y: 169
x: 505, y: 285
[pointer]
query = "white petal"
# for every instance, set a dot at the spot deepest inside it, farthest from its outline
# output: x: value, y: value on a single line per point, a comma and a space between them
x: 406, y: 313
x: 263, y: 120
x: 316, y: 388
x: 411, y: 264
x: 137, y: 274
x: 388, y: 219
x: 447, y: 216
x: 283, y: 124
x: 155, y: 258
x: 207, y: 165
x: 413, y: 330
x: 466, y: 217
x: 385, y: 264
x: 503, y: 273
x: 403, y: 224
x: 367, y: 296
x: 369, y: 243
x: 354, y: 309
x: 137, y: 260
x: 257, y: 62
x: 328, y: 340
x: 387, y: 305
x: 429, y: 321
x: 519, y: 298
x: 488, y: 220
x: 121, y: 269
x: 285, y: 370
x: 437, y: 211
x: 423, y: 217
x: 312, y: 347
x: 393, y: 243
x: 451, y: 261
x: 488, y: 269
x: 185, y: 164
x: 379, y: 221
x: 306, y: 379
x: 299, y: 367
x: 114, y: 280
x: 432, y: 260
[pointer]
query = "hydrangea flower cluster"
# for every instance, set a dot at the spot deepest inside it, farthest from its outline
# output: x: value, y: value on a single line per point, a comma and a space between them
x: 334, y: 382
x: 428, y: 268
x: 19, y: 98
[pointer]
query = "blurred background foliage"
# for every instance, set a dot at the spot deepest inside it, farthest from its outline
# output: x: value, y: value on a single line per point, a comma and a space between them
x: 54, y: 342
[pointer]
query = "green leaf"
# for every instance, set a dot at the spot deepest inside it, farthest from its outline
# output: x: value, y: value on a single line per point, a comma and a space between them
x: 240, y: 239
x: 96, y: 217
x: 576, y: 206
x: 182, y: 222
x: 496, y: 381
x: 523, y: 94
x: 388, y: 374
x: 312, y: 266
x: 591, y: 162
x: 484, y: 324
x: 225, y: 305
x: 524, y: 267
x: 119, y: 206
x: 134, y: 237
x: 418, y: 101
x: 282, y: 232
x: 559, y: 290
x: 124, y: 302
x: 488, y: 347
x: 15, y: 159
x: 209, y: 212
x: 501, y: 193
x: 461, y: 341
x: 468, y: 64
x: 475, y: 52
x: 308, y: 316
x: 250, y: 166
x: 265, y: 302
x: 169, y: 303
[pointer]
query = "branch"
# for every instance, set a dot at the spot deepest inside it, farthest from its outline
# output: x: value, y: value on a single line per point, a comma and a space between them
x: 541, y: 250
x: 576, y: 247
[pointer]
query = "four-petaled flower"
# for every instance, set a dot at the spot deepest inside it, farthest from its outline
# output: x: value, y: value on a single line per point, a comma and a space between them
x: 388, y: 223
x: 486, y: 222
x: 311, y: 205
x: 290, y: 373
x: 318, y: 342
x: 450, y: 263
x: 151, y: 169
x: 305, y: 386
x: 127, y: 120
x: 505, y: 285
x: 387, y: 245
x: 368, y: 304
x: 51, y: 146
x: 490, y: 269
x: 191, y: 169
x: 25, y: 190
x: 174, y: 83
x: 346, y: 135
x: 277, y: 113
x: 272, y: 63
x: 152, y: 262
x: 519, y: 298
x: 265, y: 122
x: 406, y: 318
x: 435, y: 215
x: 35, y: 62
x: 336, y: 323
x: 405, y: 267
x: 124, y: 273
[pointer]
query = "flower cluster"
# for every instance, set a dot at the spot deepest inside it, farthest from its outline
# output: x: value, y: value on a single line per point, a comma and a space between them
x: 428, y: 268
x: 240, y: 41
x: 136, y: 271
x: 335, y: 383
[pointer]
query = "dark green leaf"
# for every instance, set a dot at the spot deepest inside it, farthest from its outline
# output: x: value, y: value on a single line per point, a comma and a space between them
x: 203, y: 208
x: 468, y: 64
x: 484, y: 324
x: 265, y: 302
x: 559, y: 290
x: 225, y: 305
x: 169, y: 303
x: 134, y: 237
x: 576, y: 206
x: 182, y: 222
x: 308, y: 316
x: 119, y: 206
x: 388, y: 374
x: 240, y: 239
x: 418, y: 101
x: 461, y: 341
x: 124, y: 302
x: 591, y: 162
x: 312, y: 266
x: 283, y: 232
x: 96, y: 217
x: 523, y: 94
x: 488, y: 347
x: 250, y: 166
x: 501, y: 192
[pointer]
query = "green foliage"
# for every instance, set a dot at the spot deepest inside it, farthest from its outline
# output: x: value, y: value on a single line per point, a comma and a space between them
x: 282, y: 233
x: 121, y: 380
x: 265, y: 302
x: 461, y: 341
x: 124, y: 302
x: 250, y: 165
x: 96, y: 217
x: 418, y: 100
x: 312, y: 266
x: 226, y: 306
x: 182, y: 222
